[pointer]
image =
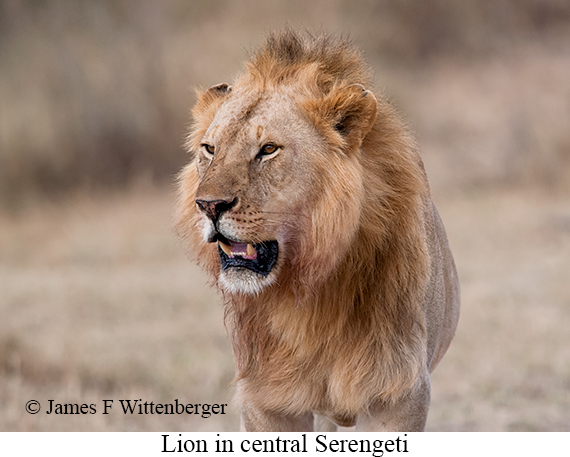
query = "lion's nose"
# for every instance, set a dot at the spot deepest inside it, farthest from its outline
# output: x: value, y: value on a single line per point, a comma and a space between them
x: 214, y: 208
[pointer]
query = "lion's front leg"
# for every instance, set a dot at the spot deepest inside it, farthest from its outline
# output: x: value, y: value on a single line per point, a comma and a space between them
x: 409, y: 414
x: 324, y: 424
x: 256, y: 420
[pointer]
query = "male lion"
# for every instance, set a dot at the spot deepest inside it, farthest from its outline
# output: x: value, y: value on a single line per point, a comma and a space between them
x: 307, y: 202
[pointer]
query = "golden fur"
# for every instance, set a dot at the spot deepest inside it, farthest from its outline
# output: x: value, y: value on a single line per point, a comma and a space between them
x: 363, y: 300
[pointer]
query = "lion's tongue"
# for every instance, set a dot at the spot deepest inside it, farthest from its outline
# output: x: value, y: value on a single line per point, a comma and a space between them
x: 244, y: 250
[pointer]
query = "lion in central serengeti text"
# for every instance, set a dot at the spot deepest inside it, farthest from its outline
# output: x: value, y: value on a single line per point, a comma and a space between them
x: 308, y: 204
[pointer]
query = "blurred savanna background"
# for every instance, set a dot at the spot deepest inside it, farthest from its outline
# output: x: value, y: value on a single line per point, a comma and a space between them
x: 97, y: 299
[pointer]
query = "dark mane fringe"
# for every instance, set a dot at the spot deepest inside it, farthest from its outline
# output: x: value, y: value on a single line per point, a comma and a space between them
x: 287, y: 52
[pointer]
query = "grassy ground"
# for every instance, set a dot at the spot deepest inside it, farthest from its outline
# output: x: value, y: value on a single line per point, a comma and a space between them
x: 508, y: 369
x: 102, y: 304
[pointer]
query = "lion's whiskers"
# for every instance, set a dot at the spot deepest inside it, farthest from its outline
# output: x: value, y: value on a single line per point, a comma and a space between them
x: 280, y: 213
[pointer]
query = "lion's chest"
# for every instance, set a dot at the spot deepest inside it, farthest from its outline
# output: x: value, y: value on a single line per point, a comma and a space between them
x: 306, y: 368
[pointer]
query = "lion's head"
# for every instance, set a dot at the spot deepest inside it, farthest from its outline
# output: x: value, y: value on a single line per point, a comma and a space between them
x: 275, y: 187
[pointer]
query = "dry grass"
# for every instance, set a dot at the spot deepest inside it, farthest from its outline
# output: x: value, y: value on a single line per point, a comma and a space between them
x: 508, y: 368
x: 101, y: 303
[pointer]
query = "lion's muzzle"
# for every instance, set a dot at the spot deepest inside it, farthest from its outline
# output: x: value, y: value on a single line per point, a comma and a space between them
x: 259, y: 257
x: 214, y: 208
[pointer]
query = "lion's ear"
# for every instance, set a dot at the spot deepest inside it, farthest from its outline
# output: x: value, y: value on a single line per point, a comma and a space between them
x: 358, y: 111
x: 210, y: 100
x: 219, y: 90
x: 211, y: 96
x: 349, y: 110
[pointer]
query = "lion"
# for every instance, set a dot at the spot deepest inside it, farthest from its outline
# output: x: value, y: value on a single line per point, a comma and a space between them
x: 307, y: 203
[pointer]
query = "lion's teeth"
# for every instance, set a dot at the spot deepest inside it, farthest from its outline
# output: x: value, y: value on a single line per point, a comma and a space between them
x: 226, y: 248
x: 237, y: 249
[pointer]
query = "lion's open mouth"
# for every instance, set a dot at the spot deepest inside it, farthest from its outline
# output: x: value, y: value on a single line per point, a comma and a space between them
x: 259, y: 258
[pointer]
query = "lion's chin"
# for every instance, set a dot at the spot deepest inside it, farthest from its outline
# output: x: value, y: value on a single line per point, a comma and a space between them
x: 246, y: 268
x: 238, y: 280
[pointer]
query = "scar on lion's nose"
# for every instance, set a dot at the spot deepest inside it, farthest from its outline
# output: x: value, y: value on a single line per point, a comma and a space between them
x: 214, y: 208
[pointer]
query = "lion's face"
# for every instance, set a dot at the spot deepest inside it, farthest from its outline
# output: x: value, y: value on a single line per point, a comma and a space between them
x: 275, y: 192
x: 253, y: 169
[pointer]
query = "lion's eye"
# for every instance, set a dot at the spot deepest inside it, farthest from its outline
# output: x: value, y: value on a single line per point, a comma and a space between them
x: 268, y: 150
x: 208, y: 148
